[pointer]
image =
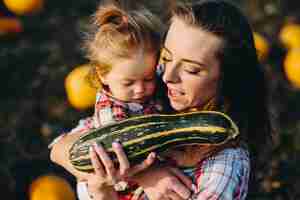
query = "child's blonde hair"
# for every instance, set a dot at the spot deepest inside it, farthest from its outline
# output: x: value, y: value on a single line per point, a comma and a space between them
x: 119, y: 33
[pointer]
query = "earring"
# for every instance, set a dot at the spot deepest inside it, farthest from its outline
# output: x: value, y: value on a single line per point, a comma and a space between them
x: 160, y: 69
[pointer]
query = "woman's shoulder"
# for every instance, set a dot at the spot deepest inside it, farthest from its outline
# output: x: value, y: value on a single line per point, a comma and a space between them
x: 236, y: 153
x: 230, y: 155
x: 225, y: 174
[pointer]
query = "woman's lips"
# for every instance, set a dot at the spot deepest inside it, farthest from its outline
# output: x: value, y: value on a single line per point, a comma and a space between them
x: 174, y: 93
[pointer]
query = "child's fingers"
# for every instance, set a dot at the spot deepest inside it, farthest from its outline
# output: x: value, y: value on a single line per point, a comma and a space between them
x: 184, y: 179
x: 144, y: 165
x: 173, y: 195
x: 180, y: 189
x: 98, y: 167
x: 122, y: 158
x: 107, y: 162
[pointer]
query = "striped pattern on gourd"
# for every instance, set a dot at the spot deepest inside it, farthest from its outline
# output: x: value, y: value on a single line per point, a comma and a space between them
x: 141, y: 135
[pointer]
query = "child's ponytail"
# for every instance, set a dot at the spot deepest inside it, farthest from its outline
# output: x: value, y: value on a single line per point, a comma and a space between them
x: 111, y: 17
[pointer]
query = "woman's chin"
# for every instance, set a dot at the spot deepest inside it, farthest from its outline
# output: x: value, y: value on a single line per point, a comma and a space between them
x: 178, y: 106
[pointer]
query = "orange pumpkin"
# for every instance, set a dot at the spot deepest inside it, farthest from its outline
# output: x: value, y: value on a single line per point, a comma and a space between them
x: 24, y: 7
x: 289, y: 35
x: 51, y: 187
x: 10, y: 25
x: 81, y: 94
x: 292, y: 67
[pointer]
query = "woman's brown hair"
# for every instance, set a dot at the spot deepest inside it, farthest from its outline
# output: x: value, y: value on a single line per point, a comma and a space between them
x: 243, y: 82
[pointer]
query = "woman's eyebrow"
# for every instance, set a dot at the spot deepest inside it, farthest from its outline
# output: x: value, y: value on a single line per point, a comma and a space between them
x: 186, y: 60
x: 193, y: 62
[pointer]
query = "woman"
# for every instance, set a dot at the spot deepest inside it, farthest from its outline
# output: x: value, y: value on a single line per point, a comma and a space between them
x: 210, y: 62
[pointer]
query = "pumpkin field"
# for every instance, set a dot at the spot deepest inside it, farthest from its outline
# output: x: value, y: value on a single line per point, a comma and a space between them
x: 45, y: 92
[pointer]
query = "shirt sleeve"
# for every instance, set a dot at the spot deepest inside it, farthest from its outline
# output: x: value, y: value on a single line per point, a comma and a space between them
x: 82, y: 192
x: 84, y: 125
x: 224, y: 176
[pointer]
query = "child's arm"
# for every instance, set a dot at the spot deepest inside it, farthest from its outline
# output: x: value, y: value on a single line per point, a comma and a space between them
x: 59, y: 154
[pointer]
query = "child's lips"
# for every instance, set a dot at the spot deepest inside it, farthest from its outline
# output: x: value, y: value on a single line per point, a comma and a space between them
x: 139, y: 99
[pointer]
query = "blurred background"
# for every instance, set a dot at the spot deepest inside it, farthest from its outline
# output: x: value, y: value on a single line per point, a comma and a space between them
x: 42, y: 70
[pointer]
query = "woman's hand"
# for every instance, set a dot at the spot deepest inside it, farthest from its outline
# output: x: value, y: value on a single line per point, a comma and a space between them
x: 165, y: 183
x: 101, y: 182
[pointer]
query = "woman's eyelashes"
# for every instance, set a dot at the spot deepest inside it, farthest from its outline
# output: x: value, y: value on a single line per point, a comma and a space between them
x: 166, y: 57
x: 192, y: 70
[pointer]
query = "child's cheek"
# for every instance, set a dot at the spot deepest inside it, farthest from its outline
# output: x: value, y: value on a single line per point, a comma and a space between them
x: 151, y: 88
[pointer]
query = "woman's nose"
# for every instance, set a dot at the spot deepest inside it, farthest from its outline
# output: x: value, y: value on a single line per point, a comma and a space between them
x: 171, y: 73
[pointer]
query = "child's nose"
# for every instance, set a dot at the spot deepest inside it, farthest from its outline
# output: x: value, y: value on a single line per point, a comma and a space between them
x: 139, y: 88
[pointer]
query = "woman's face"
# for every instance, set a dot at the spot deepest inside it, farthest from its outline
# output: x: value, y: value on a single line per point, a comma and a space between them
x: 192, y: 71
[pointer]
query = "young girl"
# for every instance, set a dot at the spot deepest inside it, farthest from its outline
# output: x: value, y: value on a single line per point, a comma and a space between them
x: 123, y: 50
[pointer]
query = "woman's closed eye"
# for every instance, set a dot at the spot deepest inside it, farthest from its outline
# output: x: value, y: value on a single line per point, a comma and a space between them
x: 192, y: 70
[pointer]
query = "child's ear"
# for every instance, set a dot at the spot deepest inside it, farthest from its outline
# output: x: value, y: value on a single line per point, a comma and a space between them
x: 101, y: 77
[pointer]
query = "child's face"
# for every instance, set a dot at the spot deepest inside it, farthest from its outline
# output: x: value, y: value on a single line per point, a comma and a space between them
x: 132, y: 79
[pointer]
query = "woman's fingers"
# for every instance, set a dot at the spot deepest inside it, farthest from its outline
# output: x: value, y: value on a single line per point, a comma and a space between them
x: 183, y: 178
x: 108, y: 169
x: 144, y: 165
x: 122, y: 158
x: 107, y: 162
x: 98, y: 167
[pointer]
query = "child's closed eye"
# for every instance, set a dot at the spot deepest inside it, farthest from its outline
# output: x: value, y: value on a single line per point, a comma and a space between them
x: 127, y: 83
x: 149, y: 78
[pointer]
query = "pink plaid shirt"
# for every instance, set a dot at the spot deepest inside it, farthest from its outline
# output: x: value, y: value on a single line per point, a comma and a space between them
x: 109, y: 110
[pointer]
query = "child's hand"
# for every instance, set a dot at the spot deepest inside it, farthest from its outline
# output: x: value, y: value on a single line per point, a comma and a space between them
x: 101, y: 182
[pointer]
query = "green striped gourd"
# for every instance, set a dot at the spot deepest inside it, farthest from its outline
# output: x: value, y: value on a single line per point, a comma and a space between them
x: 141, y: 135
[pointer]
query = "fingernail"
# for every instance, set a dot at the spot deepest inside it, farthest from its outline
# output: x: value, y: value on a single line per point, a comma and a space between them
x: 90, y: 149
x: 194, y: 188
x: 152, y: 155
x: 116, y: 144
